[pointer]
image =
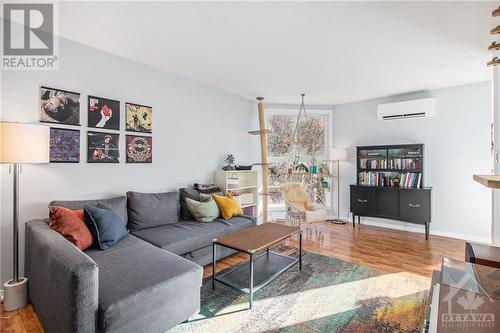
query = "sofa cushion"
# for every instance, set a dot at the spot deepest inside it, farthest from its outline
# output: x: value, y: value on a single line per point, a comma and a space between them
x: 104, y: 224
x: 69, y: 223
x: 136, y: 279
x: 147, y: 210
x: 185, y: 193
x: 205, y: 210
x: 118, y: 204
x: 187, y: 236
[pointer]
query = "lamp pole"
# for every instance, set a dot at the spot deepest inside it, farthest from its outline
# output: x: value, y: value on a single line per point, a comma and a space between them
x: 16, y: 171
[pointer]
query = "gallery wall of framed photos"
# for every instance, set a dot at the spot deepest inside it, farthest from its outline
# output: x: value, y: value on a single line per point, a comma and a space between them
x: 62, y: 109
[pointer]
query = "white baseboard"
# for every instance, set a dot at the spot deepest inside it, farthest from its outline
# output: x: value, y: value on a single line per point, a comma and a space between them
x: 1, y: 295
x: 421, y: 230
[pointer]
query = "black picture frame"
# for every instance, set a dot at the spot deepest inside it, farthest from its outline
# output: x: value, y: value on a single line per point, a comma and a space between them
x: 140, y: 124
x: 138, y: 149
x: 96, y: 150
x: 96, y: 105
x: 51, y: 148
x: 59, y: 106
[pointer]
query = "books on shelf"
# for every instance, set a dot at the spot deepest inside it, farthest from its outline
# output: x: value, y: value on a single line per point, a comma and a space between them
x: 410, y: 180
x: 404, y: 163
x: 366, y: 163
x: 406, y: 180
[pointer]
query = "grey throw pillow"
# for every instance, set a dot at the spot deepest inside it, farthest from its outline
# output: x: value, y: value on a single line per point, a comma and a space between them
x: 185, y: 193
x: 147, y: 210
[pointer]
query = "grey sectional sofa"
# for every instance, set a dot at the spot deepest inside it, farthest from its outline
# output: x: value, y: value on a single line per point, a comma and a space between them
x: 147, y: 282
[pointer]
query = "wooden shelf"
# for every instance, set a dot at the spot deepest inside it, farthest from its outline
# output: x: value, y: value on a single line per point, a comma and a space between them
x: 496, y: 12
x: 495, y: 31
x: 259, y: 132
x: 240, y: 188
x: 491, y: 181
x: 494, y: 62
x: 248, y: 205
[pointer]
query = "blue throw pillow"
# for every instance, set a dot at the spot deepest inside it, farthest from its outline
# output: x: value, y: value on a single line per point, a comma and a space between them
x: 105, y: 225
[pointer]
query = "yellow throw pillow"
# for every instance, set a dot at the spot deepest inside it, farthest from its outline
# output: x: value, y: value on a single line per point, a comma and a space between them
x: 227, y: 205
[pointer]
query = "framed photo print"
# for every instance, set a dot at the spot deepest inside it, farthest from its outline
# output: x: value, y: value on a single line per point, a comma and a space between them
x: 59, y: 106
x: 139, y: 149
x: 64, y: 145
x: 102, y: 147
x: 139, y: 118
x: 103, y: 113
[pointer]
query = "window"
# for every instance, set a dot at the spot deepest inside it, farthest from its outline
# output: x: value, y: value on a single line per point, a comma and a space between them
x: 312, y: 145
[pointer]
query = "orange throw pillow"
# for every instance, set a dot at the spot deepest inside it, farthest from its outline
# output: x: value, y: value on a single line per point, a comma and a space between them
x: 69, y: 223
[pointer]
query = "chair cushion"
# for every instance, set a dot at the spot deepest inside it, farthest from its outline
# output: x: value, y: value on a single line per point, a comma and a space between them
x: 136, y: 278
x: 187, y: 236
x: 185, y: 193
x: 118, y: 204
x: 104, y: 224
x: 147, y: 210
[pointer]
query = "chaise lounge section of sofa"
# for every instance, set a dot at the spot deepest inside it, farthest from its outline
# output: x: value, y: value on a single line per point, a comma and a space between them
x: 149, y: 281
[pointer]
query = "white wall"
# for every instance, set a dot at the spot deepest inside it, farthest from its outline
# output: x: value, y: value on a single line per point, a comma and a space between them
x: 194, y: 126
x: 457, y: 145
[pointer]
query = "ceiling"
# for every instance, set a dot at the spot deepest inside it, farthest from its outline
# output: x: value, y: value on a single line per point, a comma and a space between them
x: 335, y: 52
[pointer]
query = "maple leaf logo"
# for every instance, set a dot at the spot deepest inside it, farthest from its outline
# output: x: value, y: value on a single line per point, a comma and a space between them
x: 470, y: 301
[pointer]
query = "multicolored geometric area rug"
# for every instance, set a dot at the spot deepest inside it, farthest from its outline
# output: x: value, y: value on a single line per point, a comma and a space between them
x: 328, y: 295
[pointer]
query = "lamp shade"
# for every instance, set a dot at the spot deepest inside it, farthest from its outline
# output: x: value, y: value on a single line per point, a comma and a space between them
x: 24, y: 143
x: 338, y: 154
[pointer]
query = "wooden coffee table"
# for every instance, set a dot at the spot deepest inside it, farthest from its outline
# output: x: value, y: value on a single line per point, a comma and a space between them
x: 263, y: 265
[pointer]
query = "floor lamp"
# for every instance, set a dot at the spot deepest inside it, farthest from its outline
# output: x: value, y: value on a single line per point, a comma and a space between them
x: 337, y: 155
x: 20, y: 144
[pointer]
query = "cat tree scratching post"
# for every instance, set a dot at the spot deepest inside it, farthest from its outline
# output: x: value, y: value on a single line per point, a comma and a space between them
x: 262, y: 132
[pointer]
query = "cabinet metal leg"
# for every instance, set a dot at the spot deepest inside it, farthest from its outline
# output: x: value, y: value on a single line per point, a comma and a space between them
x: 426, y: 230
x: 353, y: 220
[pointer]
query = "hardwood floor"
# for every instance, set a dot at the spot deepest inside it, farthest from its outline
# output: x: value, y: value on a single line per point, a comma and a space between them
x: 385, y: 249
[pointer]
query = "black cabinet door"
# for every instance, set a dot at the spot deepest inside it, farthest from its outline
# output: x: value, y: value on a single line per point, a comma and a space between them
x: 363, y: 200
x: 387, y: 202
x: 415, y: 205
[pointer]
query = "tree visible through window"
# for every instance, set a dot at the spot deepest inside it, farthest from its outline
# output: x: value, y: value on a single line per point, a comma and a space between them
x: 311, y: 136
x: 312, y: 148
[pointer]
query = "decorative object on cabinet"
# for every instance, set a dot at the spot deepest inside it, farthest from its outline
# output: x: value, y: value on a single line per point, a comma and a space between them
x: 20, y: 144
x: 59, y: 106
x: 337, y: 155
x: 229, y: 163
x: 380, y: 169
x: 103, y: 113
x: 64, y: 145
x: 138, y: 118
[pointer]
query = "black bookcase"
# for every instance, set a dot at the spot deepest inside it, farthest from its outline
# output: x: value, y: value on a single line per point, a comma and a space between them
x: 390, y: 184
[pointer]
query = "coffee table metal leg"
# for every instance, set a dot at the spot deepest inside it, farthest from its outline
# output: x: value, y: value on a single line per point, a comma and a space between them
x: 251, y: 280
x: 214, y: 262
x: 300, y: 250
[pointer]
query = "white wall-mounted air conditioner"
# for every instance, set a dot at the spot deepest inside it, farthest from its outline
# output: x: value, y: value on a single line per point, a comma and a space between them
x: 419, y: 108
